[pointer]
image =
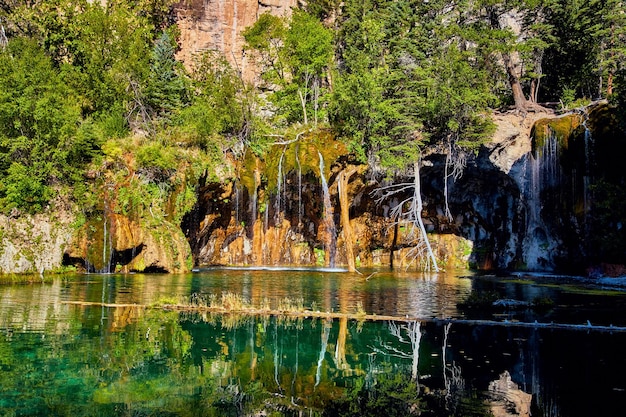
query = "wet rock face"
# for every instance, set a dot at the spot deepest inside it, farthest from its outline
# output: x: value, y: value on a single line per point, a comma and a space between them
x: 569, y: 212
x: 116, y: 243
x: 234, y: 224
x: 556, y: 207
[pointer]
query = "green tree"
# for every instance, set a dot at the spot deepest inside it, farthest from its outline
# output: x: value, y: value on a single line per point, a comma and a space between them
x: 295, y: 57
x: 407, y: 74
x: 165, y: 90
x: 266, y: 39
x: 220, y: 109
x: 39, y: 119
x: 585, y: 45
x: 610, y: 35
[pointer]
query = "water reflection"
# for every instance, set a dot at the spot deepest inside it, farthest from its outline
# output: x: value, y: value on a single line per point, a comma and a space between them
x: 161, y: 362
x: 67, y: 359
x: 385, y: 293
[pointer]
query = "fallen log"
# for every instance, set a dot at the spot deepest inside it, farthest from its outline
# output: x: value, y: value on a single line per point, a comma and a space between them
x: 251, y: 311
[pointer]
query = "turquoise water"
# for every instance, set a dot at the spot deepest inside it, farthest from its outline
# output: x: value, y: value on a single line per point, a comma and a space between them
x: 66, y: 359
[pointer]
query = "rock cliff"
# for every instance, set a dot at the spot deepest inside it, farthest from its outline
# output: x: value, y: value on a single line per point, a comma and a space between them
x: 536, y: 198
x: 216, y: 25
x: 34, y: 244
x: 546, y: 198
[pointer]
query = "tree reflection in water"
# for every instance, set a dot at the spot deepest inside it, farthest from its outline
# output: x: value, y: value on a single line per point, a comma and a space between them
x: 95, y: 360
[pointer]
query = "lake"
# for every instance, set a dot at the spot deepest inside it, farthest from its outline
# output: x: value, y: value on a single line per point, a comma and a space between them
x: 100, y: 345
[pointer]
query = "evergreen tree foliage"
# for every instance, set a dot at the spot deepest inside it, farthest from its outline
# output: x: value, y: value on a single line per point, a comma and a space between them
x: 81, y: 80
x: 165, y: 90
x: 407, y: 75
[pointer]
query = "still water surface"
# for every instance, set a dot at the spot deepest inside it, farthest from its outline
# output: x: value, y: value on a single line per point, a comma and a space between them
x: 58, y: 358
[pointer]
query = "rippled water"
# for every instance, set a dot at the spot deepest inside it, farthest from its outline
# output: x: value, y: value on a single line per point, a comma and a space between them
x: 58, y: 358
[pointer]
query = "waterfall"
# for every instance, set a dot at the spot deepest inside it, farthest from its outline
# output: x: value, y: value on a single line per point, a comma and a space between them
x: 253, y: 203
x: 105, y: 264
x: 299, y: 187
x: 107, y: 242
x: 328, y: 217
x: 237, y: 197
x: 587, y: 175
x: 279, y: 188
x: 541, y: 179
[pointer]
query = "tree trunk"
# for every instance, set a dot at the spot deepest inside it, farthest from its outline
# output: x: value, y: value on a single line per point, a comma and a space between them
x: 516, y: 86
x: 445, y: 182
x: 340, y: 347
x: 303, y: 103
x: 417, y: 215
x: 344, y: 204
x: 534, y: 87
x: 536, y: 82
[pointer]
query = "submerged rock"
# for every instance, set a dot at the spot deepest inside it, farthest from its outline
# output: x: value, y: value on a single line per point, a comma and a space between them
x: 507, y: 400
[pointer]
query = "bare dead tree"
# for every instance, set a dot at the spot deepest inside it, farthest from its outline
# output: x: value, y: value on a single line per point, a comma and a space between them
x: 407, y: 334
x: 452, y: 377
x: 456, y: 160
x: 409, y: 211
x: 138, y: 112
x: 304, y: 96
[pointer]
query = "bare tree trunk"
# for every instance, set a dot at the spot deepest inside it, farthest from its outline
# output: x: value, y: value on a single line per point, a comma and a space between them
x: 534, y: 86
x: 3, y: 36
x: 417, y: 214
x: 409, y: 210
x: 303, y: 102
x: 445, y: 182
x: 536, y: 82
x: 340, y: 347
x: 342, y: 185
x: 316, y: 96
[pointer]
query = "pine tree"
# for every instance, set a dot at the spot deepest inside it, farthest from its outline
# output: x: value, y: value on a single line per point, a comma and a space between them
x: 165, y: 91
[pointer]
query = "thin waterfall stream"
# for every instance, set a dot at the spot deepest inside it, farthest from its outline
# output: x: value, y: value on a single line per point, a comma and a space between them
x: 329, y: 220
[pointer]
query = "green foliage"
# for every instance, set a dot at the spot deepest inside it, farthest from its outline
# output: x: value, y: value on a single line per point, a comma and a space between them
x: 156, y: 156
x: 589, y: 45
x: 219, y: 113
x: 393, y: 395
x: 265, y: 38
x: 309, y: 46
x: 23, y: 190
x: 295, y: 56
x: 40, y: 132
x: 166, y: 89
x: 78, y: 77
x: 322, y: 9
x: 408, y: 76
x: 618, y: 98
